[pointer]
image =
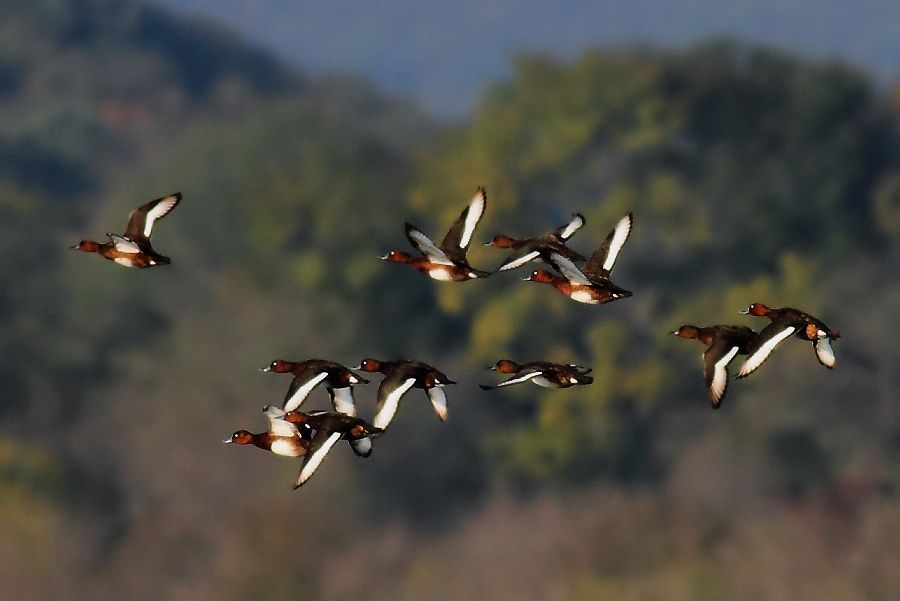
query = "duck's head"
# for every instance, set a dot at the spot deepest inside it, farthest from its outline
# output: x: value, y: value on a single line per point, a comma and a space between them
x: 397, y: 256
x: 505, y: 366
x: 541, y: 275
x: 500, y: 241
x: 757, y: 309
x: 686, y: 331
x: 88, y: 246
x: 295, y: 417
x: 279, y: 366
x: 240, y: 437
x: 369, y: 365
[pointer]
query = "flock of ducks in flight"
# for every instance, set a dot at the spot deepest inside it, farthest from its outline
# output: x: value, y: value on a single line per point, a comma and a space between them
x: 312, y: 434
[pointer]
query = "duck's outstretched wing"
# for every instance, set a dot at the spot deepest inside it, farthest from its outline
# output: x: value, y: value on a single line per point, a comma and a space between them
x: 568, y: 269
x: 342, y: 400
x: 519, y: 258
x: 425, y: 246
x: 389, y: 392
x: 601, y: 263
x: 715, y: 361
x: 459, y: 237
x: 141, y: 220
x: 438, y: 399
x: 565, y: 232
x: 522, y: 376
x: 277, y: 424
x: 824, y: 352
x: 768, y: 340
x: 124, y: 245
x: 321, y: 444
x: 362, y: 446
x: 301, y: 386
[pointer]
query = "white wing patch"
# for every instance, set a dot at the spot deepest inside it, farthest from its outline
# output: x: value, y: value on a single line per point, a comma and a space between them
x: 572, y: 227
x: 124, y: 245
x: 312, y: 461
x: 426, y: 246
x: 296, y: 399
x: 386, y: 413
x: 763, y: 352
x: 824, y: 353
x: 159, y: 211
x: 342, y: 400
x: 620, y: 235
x: 476, y: 209
x: 568, y: 269
x: 522, y: 378
x: 719, y: 383
x: 438, y: 401
x: 519, y: 261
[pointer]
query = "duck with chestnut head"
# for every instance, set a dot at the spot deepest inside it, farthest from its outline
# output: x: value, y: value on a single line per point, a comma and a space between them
x: 539, y: 247
x: 591, y: 284
x: 133, y: 248
x: 446, y: 261
x: 787, y: 322
x: 723, y: 343
x: 401, y: 375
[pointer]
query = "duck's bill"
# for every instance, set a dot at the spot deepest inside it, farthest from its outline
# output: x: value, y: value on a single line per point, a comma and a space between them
x: 227, y: 441
x: 744, y: 311
x: 265, y: 369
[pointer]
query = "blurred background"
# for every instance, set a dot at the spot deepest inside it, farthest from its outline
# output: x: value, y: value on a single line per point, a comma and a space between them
x: 757, y: 145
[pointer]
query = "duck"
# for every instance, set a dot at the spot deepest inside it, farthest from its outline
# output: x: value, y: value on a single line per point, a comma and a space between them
x: 542, y: 373
x: 310, y: 373
x: 329, y: 428
x: 446, y: 262
x: 282, y: 437
x: 723, y: 343
x: 400, y: 376
x: 788, y: 321
x: 133, y: 248
x: 591, y: 283
x: 529, y: 249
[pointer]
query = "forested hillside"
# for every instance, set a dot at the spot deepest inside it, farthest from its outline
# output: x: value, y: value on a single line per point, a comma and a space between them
x: 753, y: 176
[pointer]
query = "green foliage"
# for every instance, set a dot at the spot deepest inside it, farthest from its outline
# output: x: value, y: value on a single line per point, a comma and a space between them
x: 753, y: 176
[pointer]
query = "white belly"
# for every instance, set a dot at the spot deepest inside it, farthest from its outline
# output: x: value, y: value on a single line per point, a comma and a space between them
x: 441, y: 274
x: 542, y: 381
x: 124, y: 261
x: 583, y: 296
x: 285, y: 448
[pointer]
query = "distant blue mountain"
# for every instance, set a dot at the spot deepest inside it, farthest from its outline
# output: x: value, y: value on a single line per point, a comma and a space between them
x: 442, y: 53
